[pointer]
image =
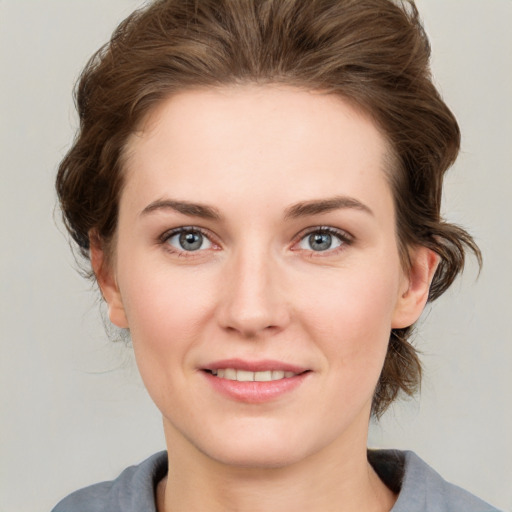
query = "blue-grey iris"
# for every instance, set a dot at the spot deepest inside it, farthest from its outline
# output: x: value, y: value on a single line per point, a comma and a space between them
x: 191, y: 240
x: 320, y: 241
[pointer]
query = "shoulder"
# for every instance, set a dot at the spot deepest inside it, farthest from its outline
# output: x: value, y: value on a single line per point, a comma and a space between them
x: 422, y: 489
x: 131, y: 491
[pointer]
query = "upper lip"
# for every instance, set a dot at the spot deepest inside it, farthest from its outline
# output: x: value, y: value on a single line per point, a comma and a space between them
x: 255, y: 366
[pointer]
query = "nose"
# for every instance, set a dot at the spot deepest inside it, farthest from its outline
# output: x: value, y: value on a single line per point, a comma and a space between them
x: 253, y: 299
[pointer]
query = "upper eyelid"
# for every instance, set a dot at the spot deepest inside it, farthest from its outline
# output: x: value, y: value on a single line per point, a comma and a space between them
x: 174, y: 231
x: 342, y: 233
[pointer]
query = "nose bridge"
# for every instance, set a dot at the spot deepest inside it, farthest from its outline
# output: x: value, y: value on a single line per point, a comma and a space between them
x: 253, y: 299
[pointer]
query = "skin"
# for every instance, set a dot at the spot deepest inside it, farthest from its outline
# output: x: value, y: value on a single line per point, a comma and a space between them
x: 256, y: 289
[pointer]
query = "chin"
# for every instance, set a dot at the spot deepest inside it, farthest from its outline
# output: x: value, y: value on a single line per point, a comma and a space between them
x: 258, y: 448
x: 257, y: 456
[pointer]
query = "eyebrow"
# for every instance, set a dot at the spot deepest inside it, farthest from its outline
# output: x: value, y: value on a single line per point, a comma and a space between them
x: 302, y: 209
x: 186, y: 208
x: 315, y: 207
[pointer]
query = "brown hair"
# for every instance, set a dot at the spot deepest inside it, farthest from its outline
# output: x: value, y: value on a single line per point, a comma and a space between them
x: 373, y: 53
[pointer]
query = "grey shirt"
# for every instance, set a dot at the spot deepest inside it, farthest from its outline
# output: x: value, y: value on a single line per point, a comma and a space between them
x: 420, y: 488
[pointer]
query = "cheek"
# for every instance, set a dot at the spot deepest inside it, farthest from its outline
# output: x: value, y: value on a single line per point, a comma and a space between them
x: 166, y: 309
x: 167, y: 316
x: 352, y: 318
x: 167, y: 304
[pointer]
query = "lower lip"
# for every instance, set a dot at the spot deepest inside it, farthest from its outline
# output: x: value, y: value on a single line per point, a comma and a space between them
x: 255, y: 392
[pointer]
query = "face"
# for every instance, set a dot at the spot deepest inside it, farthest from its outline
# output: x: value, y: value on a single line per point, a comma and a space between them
x: 257, y: 269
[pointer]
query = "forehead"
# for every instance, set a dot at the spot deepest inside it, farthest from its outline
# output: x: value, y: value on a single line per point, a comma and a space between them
x: 256, y: 140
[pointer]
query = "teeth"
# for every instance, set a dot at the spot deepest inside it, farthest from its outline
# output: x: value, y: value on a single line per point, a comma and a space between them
x: 230, y: 374
x: 263, y: 376
x: 245, y: 376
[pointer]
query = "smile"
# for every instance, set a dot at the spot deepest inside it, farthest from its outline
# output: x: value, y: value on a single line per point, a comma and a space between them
x: 254, y: 382
x: 248, y: 376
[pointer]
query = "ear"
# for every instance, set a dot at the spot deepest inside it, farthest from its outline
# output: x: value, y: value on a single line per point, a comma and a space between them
x: 415, y: 287
x: 107, y: 282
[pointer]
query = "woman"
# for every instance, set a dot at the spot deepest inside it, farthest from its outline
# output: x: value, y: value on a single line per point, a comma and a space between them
x: 257, y: 186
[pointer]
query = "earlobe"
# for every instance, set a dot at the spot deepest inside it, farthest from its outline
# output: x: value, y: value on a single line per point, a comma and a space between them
x: 414, y: 293
x: 107, y: 283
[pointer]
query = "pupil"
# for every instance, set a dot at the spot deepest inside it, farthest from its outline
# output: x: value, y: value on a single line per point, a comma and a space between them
x: 320, y: 241
x: 191, y: 241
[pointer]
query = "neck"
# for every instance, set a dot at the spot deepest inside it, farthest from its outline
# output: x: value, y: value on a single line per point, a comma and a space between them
x: 338, y: 479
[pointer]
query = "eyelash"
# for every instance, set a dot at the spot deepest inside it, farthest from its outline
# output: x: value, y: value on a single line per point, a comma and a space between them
x: 344, y: 238
x: 165, y: 237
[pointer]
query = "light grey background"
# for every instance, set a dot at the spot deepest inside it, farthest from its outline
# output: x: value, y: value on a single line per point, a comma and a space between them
x: 73, y: 410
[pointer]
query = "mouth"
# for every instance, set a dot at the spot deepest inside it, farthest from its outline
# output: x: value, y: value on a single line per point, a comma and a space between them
x: 249, y: 376
x: 254, y: 382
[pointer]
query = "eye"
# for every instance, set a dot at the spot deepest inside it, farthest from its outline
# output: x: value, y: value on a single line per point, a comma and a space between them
x: 323, y: 239
x: 188, y: 240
